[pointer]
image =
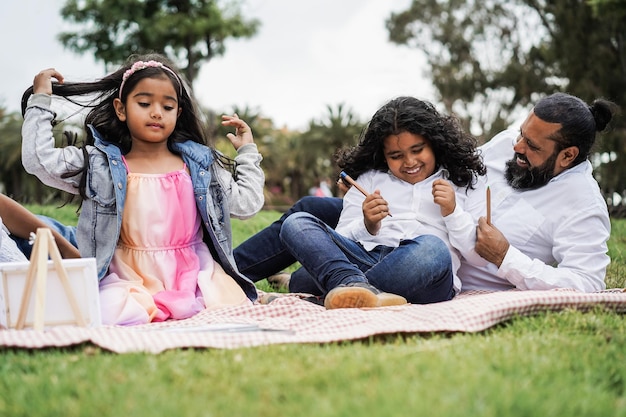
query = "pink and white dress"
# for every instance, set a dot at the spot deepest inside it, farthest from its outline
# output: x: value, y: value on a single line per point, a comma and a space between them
x: 161, y: 268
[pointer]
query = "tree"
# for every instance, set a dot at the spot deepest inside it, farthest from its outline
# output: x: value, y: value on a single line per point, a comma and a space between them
x: 475, y: 51
x: 337, y: 129
x: 295, y: 161
x: 490, y: 59
x: 189, y: 32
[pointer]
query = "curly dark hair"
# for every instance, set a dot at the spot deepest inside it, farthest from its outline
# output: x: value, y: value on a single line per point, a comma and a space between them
x: 454, y: 149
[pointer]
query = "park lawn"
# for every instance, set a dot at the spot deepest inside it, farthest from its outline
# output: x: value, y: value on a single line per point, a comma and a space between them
x: 553, y: 364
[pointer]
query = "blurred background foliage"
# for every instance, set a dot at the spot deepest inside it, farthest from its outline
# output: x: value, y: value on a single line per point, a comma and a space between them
x: 488, y: 61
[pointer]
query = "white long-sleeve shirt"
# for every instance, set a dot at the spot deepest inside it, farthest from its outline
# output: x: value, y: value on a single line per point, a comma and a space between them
x: 558, y: 233
x: 414, y: 213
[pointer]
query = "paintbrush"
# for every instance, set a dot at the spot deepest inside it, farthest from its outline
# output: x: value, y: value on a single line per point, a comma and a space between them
x: 488, y: 205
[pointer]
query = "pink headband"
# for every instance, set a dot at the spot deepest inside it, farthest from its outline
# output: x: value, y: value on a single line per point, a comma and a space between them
x: 139, y: 65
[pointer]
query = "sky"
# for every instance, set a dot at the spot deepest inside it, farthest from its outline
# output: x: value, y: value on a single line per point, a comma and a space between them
x: 307, y: 55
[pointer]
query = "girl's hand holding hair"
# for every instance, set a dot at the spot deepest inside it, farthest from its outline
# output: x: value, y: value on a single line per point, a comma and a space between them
x: 243, y: 133
x: 443, y: 195
x: 42, y: 84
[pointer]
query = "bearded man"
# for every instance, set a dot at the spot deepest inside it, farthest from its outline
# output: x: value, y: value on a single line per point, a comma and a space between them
x: 550, y: 224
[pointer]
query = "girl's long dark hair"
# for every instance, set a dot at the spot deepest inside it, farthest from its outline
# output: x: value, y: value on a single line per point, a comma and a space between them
x: 454, y: 149
x: 99, y: 95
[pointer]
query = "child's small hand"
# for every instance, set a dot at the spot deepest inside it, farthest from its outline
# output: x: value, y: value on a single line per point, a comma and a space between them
x: 443, y: 195
x: 42, y: 84
x: 243, y: 133
x: 375, y: 209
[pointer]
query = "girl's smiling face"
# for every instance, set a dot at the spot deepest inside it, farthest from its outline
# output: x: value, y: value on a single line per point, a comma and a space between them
x: 409, y: 157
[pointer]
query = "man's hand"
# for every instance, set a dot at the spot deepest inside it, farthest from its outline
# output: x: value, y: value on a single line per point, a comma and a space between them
x: 490, y: 242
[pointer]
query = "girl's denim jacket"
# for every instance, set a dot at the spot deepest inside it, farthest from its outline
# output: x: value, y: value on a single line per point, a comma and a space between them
x: 218, y: 194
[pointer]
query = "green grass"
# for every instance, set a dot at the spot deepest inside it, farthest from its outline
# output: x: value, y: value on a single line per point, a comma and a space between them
x: 565, y: 363
x: 616, y: 274
x: 66, y: 214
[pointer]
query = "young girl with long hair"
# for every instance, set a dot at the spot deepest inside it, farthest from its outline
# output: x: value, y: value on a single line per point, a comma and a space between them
x: 403, y: 240
x: 156, y: 199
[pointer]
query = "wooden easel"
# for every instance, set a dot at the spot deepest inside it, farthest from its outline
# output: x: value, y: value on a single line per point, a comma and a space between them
x: 37, y: 273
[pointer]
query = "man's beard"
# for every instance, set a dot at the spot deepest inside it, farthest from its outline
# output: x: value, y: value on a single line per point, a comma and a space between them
x: 522, y: 178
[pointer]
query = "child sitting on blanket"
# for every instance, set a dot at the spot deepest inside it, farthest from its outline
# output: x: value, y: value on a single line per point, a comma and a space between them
x: 414, y: 208
x: 156, y: 199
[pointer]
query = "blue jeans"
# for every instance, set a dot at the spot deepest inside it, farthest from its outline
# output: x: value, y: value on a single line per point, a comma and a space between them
x: 419, y: 269
x: 68, y: 232
x: 264, y: 254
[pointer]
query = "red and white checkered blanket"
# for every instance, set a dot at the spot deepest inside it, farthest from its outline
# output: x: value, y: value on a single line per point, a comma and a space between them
x: 290, y: 319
